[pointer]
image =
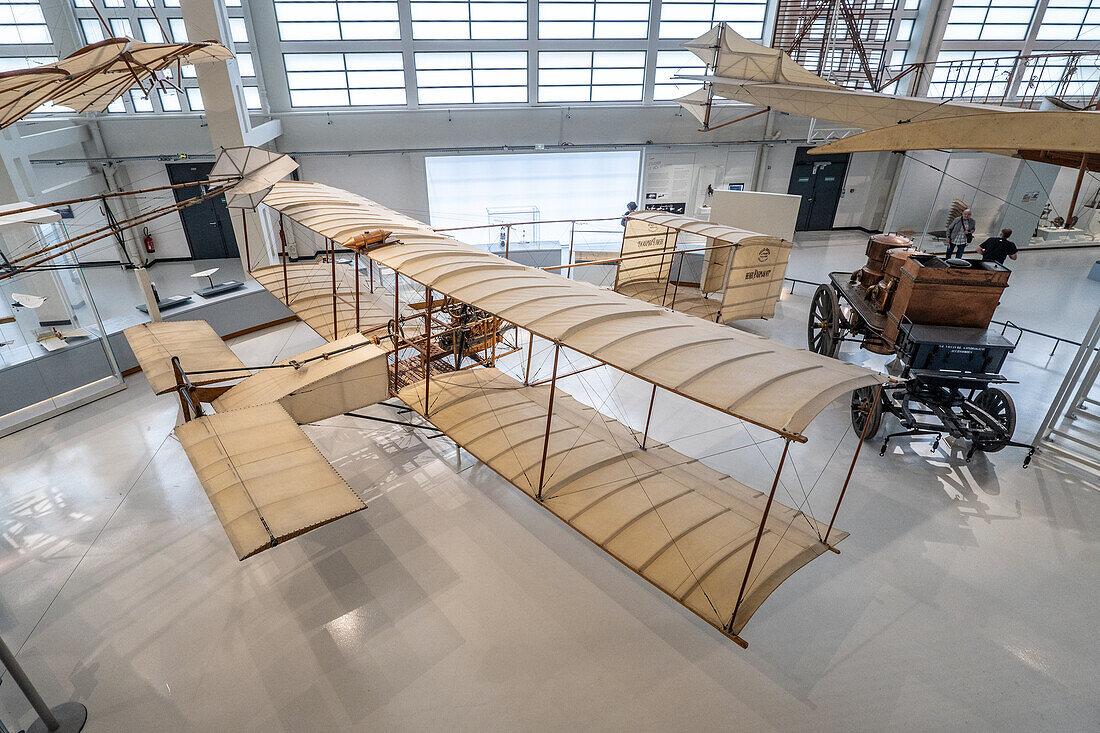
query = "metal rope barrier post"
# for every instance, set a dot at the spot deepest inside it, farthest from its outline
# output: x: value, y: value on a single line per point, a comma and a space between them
x: 67, y: 717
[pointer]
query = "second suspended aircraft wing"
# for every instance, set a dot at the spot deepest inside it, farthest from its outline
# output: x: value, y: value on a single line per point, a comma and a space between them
x: 767, y: 77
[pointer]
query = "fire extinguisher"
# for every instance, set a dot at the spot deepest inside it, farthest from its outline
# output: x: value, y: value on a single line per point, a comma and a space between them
x: 150, y: 247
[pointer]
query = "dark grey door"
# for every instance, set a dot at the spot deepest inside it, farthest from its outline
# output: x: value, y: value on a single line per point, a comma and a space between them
x: 819, y: 180
x: 207, y: 225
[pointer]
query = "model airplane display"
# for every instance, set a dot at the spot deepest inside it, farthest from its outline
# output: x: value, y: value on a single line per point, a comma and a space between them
x: 27, y: 301
x: 213, y: 288
x: 426, y: 329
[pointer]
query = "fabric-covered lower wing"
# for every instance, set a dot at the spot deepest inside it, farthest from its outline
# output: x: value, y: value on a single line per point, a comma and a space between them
x: 684, y: 527
x: 264, y: 477
x: 196, y: 345
x: 310, y: 286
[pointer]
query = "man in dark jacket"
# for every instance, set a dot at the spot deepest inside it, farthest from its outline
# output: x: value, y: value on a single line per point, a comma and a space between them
x: 996, y: 249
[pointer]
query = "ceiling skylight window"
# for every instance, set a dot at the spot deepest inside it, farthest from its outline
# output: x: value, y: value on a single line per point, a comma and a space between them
x: 140, y: 101
x: 593, y: 19
x: 481, y: 77
x: 22, y: 23
x: 325, y: 20
x: 178, y: 30
x: 169, y: 100
x: 120, y: 28
x: 245, y: 66
x: 17, y: 63
x: 341, y: 80
x: 93, y: 30
x: 1048, y: 77
x: 1071, y: 20
x: 693, y: 18
x: 238, y: 31
x: 669, y: 65
x: 150, y: 30
x: 591, y: 76
x: 971, y: 75
x: 473, y: 20
x: 989, y: 20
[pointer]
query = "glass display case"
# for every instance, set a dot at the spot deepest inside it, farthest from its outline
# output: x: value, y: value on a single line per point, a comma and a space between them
x: 53, y: 352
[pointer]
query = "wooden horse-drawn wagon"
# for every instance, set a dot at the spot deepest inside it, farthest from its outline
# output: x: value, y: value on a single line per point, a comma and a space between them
x: 933, y: 314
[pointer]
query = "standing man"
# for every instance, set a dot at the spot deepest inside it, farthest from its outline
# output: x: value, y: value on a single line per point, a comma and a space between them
x: 996, y: 249
x: 630, y: 209
x: 960, y: 234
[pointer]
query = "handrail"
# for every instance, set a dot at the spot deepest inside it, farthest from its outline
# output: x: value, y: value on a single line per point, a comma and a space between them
x: 1024, y: 77
x: 1058, y: 340
x: 524, y: 223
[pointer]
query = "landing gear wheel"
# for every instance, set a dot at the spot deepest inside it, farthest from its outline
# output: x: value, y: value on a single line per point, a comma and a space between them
x: 823, y: 329
x: 862, y: 399
x: 998, y: 404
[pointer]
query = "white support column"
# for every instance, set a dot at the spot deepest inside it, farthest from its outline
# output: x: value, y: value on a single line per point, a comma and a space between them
x: 227, y: 115
x: 930, y: 25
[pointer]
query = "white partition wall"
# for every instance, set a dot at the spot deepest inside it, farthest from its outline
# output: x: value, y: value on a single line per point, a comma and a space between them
x: 466, y: 190
x: 773, y: 214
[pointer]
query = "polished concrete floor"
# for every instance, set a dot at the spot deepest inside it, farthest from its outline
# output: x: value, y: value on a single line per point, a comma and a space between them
x: 965, y: 598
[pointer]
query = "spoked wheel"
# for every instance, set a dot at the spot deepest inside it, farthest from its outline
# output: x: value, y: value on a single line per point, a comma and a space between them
x: 823, y: 329
x: 997, y: 404
x: 862, y: 399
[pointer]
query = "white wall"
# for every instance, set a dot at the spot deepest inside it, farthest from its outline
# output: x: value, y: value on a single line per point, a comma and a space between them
x: 716, y: 166
x: 1021, y: 213
x: 986, y: 182
x: 1062, y: 190
x: 866, y: 192
x: 396, y: 180
x: 63, y: 182
x: 167, y: 231
x: 779, y: 160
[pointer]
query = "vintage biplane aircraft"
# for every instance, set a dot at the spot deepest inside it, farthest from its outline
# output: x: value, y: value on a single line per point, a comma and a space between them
x: 424, y: 325
x: 745, y: 71
x: 749, y: 72
x: 89, y: 79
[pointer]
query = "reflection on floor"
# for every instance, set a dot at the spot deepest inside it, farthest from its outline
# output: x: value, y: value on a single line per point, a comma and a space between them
x: 964, y: 597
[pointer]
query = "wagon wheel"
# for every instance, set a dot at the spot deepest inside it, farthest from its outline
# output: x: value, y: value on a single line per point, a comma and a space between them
x: 862, y: 399
x: 823, y: 329
x: 998, y: 404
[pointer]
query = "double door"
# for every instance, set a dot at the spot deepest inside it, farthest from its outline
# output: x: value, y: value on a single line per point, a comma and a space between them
x: 819, y: 180
x: 207, y: 225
